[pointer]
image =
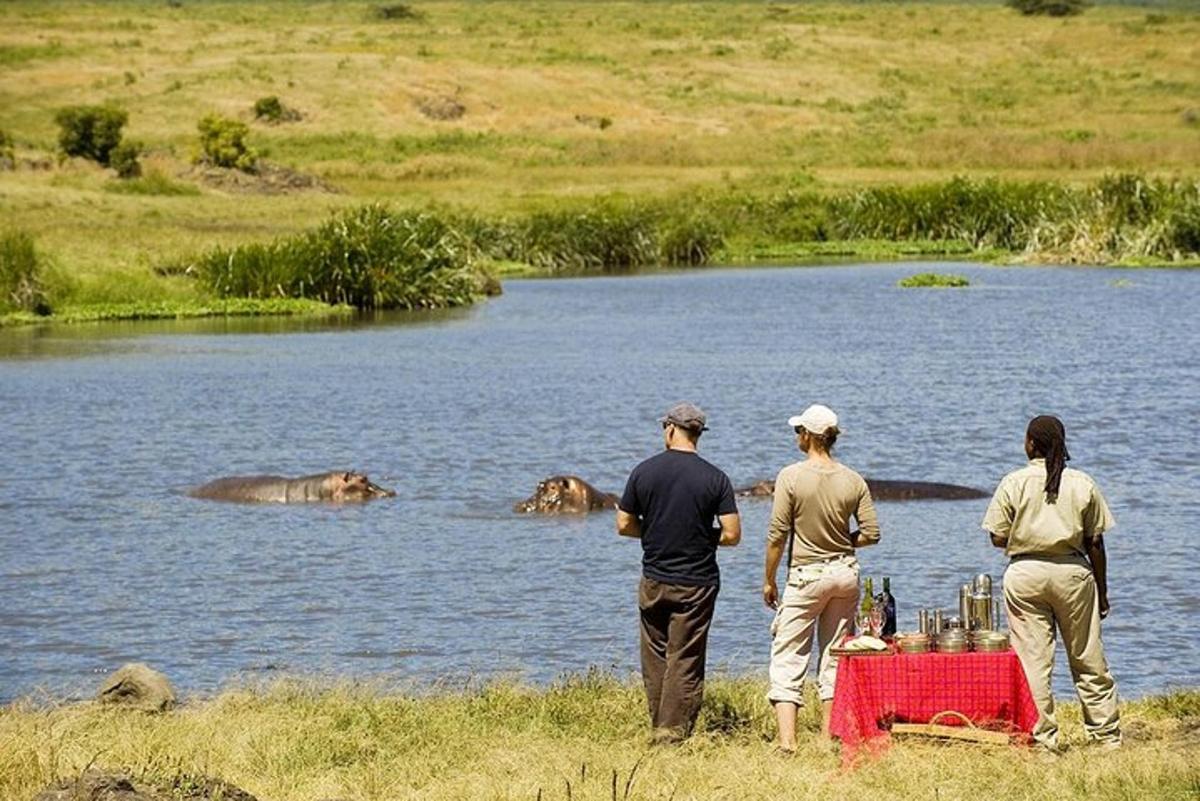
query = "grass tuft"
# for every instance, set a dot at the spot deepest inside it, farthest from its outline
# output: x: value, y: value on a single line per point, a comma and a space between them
x: 933, y: 280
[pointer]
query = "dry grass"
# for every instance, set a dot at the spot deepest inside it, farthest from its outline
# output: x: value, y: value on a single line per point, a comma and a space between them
x: 299, y: 742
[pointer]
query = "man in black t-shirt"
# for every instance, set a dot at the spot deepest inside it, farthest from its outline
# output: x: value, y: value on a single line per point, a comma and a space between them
x: 670, y: 502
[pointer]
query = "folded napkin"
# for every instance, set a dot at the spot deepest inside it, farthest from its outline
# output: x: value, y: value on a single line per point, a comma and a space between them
x: 865, y: 643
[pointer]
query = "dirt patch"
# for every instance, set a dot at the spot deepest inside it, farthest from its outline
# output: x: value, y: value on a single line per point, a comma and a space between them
x: 268, y: 179
x: 94, y: 785
x: 441, y: 107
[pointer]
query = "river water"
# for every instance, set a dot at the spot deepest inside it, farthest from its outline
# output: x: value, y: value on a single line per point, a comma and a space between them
x: 104, y: 559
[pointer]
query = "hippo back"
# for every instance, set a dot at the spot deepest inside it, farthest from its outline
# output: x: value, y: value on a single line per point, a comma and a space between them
x: 254, y: 489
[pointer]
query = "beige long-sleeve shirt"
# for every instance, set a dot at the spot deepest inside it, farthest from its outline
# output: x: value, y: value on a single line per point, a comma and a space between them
x: 1032, y: 526
x: 813, y: 504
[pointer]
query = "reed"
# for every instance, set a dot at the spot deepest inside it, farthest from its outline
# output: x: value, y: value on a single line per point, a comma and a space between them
x: 20, y: 275
x: 583, y: 738
x: 369, y: 258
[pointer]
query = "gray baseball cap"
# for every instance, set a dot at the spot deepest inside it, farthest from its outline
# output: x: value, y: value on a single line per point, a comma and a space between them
x: 686, y: 415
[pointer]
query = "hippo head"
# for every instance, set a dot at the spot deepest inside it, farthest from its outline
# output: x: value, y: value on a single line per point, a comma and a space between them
x: 550, y: 495
x: 565, y: 495
x: 351, y: 486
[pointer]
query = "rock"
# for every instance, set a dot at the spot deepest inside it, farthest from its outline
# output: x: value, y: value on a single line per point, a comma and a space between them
x: 139, y: 687
x: 441, y: 107
x: 94, y: 785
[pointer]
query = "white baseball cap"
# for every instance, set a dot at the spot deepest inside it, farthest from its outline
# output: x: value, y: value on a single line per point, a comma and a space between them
x: 816, y: 418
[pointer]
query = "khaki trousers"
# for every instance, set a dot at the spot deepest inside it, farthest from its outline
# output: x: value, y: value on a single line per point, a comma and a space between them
x: 1042, y: 593
x: 674, y: 628
x: 819, y: 600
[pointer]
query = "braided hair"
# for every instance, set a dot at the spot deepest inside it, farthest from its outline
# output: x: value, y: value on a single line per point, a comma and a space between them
x: 1049, y: 440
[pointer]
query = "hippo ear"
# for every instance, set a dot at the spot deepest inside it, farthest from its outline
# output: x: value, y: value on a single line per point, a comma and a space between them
x: 347, y: 475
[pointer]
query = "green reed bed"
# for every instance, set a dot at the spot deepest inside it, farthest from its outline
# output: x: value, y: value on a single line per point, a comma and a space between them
x: 369, y: 258
x: 580, y: 739
x: 605, y: 235
x: 20, y: 275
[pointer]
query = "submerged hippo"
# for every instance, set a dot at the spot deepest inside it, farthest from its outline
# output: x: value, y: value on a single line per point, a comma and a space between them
x: 569, y: 495
x: 882, y: 490
x: 336, y: 487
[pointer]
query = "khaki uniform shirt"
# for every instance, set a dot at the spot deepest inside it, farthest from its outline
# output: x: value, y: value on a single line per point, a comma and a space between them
x: 814, y: 504
x: 1020, y: 514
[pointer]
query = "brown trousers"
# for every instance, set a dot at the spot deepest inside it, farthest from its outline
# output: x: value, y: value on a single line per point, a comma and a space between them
x: 674, y: 623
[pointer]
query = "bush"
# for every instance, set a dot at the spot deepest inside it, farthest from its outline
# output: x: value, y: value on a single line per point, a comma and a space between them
x: 370, y: 258
x: 395, y: 11
x: 1050, y: 8
x: 91, y: 132
x: 8, y: 156
x: 124, y: 159
x: 934, y: 280
x: 223, y: 144
x: 271, y: 109
x: 20, y: 279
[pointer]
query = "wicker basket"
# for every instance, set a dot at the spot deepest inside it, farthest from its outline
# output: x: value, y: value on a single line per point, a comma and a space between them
x: 968, y: 731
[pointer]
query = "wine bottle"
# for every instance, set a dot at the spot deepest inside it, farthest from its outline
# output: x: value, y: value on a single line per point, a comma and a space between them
x: 888, y: 604
x: 868, y: 604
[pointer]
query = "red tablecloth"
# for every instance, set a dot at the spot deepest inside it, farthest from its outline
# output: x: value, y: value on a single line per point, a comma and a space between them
x: 874, y: 691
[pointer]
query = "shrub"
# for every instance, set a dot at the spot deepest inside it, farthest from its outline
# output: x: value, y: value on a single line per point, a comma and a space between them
x: 8, y: 156
x: 395, y: 11
x: 20, y: 279
x: 934, y: 280
x: 1050, y: 8
x: 124, y: 159
x: 223, y: 144
x: 91, y: 132
x: 271, y: 109
x: 370, y: 258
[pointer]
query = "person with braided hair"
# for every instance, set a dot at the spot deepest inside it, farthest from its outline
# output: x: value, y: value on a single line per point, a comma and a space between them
x: 1050, y: 521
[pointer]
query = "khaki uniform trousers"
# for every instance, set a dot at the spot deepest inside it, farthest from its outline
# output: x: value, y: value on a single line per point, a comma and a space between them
x: 819, y: 601
x: 1041, y: 593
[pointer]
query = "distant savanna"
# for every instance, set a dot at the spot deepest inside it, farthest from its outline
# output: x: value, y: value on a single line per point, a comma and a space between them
x: 144, y: 146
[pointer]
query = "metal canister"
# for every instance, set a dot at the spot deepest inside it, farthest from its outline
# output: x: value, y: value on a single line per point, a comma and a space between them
x: 964, y: 605
x: 982, y: 584
x: 937, y: 621
x: 923, y: 621
x: 981, y: 612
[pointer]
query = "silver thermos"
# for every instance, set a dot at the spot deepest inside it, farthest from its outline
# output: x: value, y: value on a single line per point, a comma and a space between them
x: 966, y: 607
x: 982, y: 615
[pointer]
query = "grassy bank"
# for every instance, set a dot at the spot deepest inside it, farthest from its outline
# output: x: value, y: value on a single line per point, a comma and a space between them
x: 507, y: 109
x: 577, y: 740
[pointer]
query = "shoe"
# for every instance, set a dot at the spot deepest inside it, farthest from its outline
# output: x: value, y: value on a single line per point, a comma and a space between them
x: 1107, y: 745
x: 784, y: 753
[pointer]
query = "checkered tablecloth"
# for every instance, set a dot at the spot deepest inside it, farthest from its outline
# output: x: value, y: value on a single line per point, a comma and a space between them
x: 872, y: 692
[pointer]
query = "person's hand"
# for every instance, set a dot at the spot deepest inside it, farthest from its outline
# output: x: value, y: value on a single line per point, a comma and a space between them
x: 1104, y: 608
x: 770, y: 595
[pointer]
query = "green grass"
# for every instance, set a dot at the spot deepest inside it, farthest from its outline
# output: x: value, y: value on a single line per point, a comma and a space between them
x: 583, y: 738
x: 933, y: 280
x: 152, y: 183
x: 178, y: 310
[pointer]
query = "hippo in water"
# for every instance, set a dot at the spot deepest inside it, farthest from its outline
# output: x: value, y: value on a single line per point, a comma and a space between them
x: 882, y: 490
x: 569, y: 495
x: 336, y: 487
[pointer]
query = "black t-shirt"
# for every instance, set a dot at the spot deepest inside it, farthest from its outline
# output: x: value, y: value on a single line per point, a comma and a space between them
x: 677, y: 495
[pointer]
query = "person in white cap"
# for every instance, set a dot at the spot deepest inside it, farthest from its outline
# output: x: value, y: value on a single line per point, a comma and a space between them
x: 814, y: 502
